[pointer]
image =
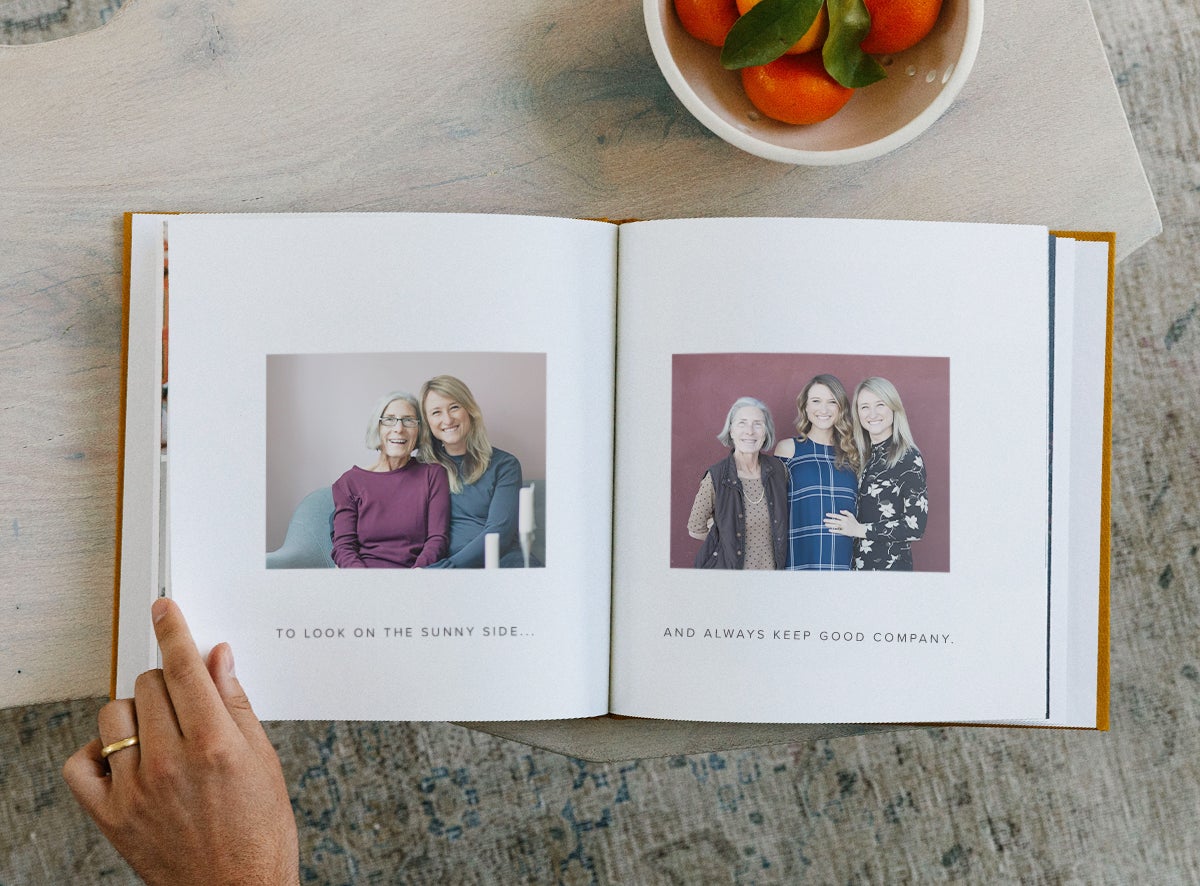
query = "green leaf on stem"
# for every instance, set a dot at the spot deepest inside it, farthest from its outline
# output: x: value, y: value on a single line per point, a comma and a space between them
x: 846, y: 63
x: 767, y: 31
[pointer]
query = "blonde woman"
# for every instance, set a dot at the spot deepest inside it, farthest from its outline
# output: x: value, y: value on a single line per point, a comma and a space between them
x: 892, y: 502
x: 485, y: 482
x: 822, y: 462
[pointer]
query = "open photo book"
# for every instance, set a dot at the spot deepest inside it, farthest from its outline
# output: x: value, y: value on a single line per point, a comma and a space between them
x: 743, y: 469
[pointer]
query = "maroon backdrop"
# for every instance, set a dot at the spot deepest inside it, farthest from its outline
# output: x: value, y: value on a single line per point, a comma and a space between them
x: 704, y: 386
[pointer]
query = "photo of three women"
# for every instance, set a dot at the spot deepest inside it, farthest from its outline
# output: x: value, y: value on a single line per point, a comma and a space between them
x: 436, y: 491
x: 846, y: 492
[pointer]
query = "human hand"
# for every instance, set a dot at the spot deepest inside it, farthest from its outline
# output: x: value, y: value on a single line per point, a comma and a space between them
x: 200, y: 799
x: 844, y: 523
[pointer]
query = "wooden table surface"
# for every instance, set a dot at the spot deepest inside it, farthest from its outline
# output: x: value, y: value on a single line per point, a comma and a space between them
x: 540, y: 106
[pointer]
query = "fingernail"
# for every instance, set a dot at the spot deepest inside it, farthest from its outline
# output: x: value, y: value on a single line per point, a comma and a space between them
x: 229, y: 661
x: 158, y: 609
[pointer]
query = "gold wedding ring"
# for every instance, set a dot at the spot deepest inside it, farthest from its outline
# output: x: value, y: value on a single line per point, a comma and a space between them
x: 118, y: 746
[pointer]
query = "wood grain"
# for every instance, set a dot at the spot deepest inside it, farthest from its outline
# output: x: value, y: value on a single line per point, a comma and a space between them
x: 541, y: 106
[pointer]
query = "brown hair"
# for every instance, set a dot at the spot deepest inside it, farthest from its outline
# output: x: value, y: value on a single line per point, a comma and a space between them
x: 846, y: 455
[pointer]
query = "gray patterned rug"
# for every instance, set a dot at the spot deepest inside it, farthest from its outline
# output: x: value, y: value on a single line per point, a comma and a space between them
x: 420, y: 803
x: 35, y: 21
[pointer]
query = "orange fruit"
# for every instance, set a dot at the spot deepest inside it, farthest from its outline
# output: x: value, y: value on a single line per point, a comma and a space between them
x: 795, y: 89
x: 897, y: 25
x: 812, y: 38
x: 707, y: 20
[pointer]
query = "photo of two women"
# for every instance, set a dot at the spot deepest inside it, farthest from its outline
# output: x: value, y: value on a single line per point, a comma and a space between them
x: 810, y: 462
x: 408, y: 460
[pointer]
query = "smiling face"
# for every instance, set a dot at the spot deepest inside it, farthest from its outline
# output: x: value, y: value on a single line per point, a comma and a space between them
x: 822, y: 411
x: 874, y: 415
x: 748, y: 430
x: 397, y: 441
x: 448, y: 421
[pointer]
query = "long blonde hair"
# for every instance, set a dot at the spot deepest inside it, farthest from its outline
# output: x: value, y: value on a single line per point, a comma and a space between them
x: 846, y: 455
x: 902, y: 439
x: 479, y: 449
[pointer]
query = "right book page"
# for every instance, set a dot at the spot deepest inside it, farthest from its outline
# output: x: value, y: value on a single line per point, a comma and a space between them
x: 945, y: 329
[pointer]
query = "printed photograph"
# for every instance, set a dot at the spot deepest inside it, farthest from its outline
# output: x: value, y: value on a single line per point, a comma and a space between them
x: 405, y: 460
x: 810, y: 462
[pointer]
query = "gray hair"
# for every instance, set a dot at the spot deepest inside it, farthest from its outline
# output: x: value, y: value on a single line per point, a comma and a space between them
x: 373, y: 440
x: 724, y: 437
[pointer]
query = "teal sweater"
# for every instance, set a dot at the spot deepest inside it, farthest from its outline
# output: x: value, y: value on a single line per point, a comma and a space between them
x: 487, y: 505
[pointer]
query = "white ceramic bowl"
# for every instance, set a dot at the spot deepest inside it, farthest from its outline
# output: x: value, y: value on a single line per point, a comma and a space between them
x: 920, y: 85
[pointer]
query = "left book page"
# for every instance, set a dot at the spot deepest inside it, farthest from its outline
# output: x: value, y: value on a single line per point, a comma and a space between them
x: 285, y: 333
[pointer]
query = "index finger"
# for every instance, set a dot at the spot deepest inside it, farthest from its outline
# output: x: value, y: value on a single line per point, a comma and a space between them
x: 193, y: 694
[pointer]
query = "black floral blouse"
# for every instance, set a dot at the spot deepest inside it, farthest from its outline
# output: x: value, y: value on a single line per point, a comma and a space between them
x: 893, y: 506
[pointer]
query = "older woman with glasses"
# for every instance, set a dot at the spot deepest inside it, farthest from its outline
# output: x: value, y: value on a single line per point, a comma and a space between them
x: 395, y: 513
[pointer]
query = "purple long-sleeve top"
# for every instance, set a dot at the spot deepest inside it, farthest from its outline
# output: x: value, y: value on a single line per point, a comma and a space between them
x: 393, y: 519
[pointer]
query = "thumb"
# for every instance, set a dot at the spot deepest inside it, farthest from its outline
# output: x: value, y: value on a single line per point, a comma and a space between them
x: 220, y: 668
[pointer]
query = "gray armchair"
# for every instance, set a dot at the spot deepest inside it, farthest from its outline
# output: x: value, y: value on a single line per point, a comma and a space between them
x: 308, y: 543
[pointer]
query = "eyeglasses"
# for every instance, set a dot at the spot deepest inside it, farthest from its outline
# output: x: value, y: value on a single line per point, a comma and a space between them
x: 389, y: 421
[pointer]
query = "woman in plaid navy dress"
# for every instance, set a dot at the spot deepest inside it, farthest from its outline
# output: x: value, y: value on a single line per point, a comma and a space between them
x: 822, y: 463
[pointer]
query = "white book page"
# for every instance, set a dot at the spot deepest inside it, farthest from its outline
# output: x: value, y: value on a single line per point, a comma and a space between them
x: 959, y: 315
x: 324, y: 303
x: 1081, y: 342
x: 1089, y: 356
x: 141, y: 477
x: 1062, y: 436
